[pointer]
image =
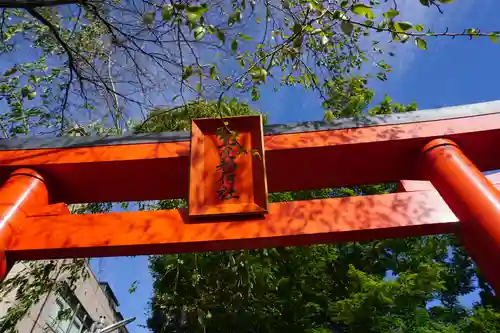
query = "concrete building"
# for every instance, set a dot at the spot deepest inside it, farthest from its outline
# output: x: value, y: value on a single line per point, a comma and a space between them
x: 92, y: 303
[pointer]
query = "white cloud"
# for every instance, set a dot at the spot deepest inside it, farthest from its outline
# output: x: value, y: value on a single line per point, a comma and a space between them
x: 415, y: 13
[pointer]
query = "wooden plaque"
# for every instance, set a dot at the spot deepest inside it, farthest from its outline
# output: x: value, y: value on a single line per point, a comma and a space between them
x: 227, y: 170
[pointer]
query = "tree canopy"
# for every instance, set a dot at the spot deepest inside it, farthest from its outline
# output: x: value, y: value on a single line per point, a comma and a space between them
x: 90, y: 60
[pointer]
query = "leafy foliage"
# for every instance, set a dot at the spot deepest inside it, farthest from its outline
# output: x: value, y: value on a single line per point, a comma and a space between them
x: 178, y: 119
x: 35, y: 281
x: 119, y: 56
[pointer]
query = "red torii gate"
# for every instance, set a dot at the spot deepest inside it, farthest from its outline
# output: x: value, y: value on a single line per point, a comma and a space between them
x: 42, y: 175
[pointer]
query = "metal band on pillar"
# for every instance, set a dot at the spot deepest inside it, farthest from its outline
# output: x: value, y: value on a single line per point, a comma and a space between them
x: 473, y: 199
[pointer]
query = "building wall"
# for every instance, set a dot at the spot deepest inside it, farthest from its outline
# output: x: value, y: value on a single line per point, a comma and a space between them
x: 89, y: 293
x: 28, y: 321
x: 95, y: 301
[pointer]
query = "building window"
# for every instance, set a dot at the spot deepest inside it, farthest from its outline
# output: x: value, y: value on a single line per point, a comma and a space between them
x: 63, y: 318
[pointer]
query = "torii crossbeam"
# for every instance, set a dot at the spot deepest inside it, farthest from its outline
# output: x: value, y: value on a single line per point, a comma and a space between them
x: 41, y: 176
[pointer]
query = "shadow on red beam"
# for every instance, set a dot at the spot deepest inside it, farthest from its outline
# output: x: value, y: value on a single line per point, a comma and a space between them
x: 292, y: 223
x: 294, y: 161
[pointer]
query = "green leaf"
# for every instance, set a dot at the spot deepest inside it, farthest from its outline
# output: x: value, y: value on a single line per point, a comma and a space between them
x: 315, y: 31
x: 225, y: 110
x: 403, y: 26
x: 364, y: 10
x: 297, y: 28
x: 213, y: 72
x: 167, y: 13
x: 244, y: 37
x: 403, y: 38
x: 338, y: 14
x: 471, y: 32
x: 133, y: 287
x: 199, y: 32
x: 316, y: 5
x: 148, y: 18
x: 35, y: 79
x: 328, y: 115
x: 493, y: 37
x: 10, y: 71
x: 259, y: 74
x: 419, y: 28
x: 194, y: 13
x: 234, y: 46
x: 197, y: 10
x: 297, y: 42
x: 26, y: 90
x: 425, y: 3
x: 346, y: 27
x: 32, y: 95
x: 234, y: 17
x: 192, y: 18
x: 241, y: 60
x: 188, y: 71
x: 220, y: 35
x: 421, y: 43
x: 255, y: 93
x: 324, y: 39
x: 446, y: 1
x: 369, y: 23
x: 391, y: 13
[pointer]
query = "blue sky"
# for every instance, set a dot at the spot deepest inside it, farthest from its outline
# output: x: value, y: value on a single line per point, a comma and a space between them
x: 451, y: 72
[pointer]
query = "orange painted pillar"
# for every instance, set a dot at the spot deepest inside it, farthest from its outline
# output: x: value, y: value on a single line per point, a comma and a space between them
x: 23, y: 192
x: 473, y: 199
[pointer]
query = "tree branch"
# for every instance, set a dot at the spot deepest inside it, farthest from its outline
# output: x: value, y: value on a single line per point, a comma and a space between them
x: 53, y: 30
x: 35, y: 3
x: 71, y: 61
x: 465, y: 33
